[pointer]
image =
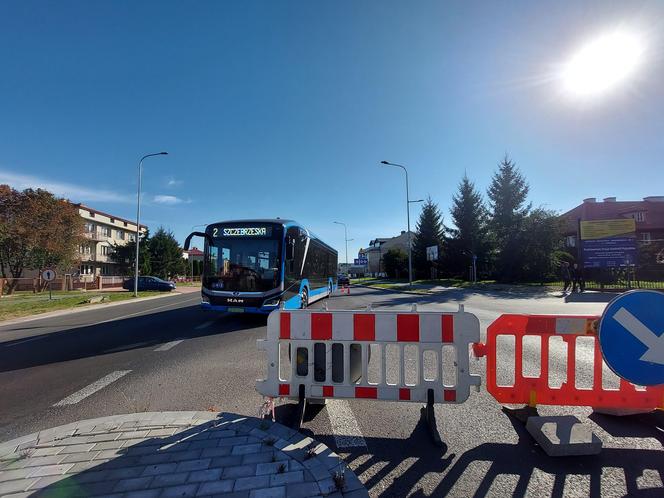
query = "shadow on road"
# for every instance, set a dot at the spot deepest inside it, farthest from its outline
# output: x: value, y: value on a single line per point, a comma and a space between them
x: 523, y: 463
x: 149, y: 330
x: 590, y: 297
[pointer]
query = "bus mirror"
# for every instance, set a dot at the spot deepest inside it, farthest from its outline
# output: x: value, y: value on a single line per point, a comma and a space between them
x: 187, y: 241
x: 290, y: 248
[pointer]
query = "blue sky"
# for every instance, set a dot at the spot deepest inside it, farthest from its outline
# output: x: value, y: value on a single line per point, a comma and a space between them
x: 286, y: 108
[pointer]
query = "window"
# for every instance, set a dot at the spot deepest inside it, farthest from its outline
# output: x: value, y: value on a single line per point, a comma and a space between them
x: 89, y: 227
x: 112, y: 220
x: 121, y: 234
x: 84, y: 249
x: 86, y: 270
x: 106, y: 231
x: 645, y: 237
x: 125, y: 223
x: 105, y: 250
x: 92, y: 214
x: 639, y: 216
x: 132, y: 237
x: 570, y: 241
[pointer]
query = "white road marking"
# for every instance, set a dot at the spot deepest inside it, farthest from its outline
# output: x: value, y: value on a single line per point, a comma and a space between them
x: 204, y: 325
x: 168, y: 345
x: 92, y: 388
x: 148, y: 310
x: 346, y: 432
x: 23, y: 341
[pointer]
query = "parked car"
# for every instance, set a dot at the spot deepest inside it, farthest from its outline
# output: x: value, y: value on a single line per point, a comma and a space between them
x: 343, y: 279
x: 149, y: 284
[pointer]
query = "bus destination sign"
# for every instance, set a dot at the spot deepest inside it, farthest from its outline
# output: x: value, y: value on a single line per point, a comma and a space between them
x: 243, y: 232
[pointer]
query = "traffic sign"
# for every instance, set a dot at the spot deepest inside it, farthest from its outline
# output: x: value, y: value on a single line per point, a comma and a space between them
x: 432, y: 253
x: 361, y: 262
x: 631, y: 336
x: 48, y: 275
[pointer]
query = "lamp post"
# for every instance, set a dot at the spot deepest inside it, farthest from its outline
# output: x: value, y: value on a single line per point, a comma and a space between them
x: 190, y: 258
x: 138, y: 215
x: 408, y: 203
x: 345, y: 239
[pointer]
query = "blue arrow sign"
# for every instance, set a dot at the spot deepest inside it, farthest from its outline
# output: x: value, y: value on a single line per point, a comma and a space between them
x: 631, y: 336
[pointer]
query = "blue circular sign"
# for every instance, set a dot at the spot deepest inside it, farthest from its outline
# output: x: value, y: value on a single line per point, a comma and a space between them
x: 631, y: 337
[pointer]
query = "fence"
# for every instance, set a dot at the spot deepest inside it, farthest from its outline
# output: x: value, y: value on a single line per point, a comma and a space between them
x: 538, y: 334
x: 64, y: 283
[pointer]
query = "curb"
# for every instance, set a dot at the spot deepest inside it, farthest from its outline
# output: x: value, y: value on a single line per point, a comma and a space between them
x: 88, y: 307
x: 211, y: 452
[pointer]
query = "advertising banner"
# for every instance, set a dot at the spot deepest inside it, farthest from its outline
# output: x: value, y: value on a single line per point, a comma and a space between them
x: 608, y: 243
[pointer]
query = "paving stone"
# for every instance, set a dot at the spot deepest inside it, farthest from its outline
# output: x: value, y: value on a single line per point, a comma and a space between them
x: 15, y: 486
x: 205, y: 475
x: 80, y: 457
x: 85, y: 466
x: 10, y: 475
x: 564, y: 436
x: 221, y: 434
x: 50, y: 470
x: 77, y: 448
x: 239, y: 471
x: 358, y: 493
x: 190, y: 465
x: 48, y: 481
x: 327, y: 486
x: 232, y: 441
x: 270, y: 468
x: 302, y: 490
x: 161, y: 432
x: 286, y: 478
x: 245, y: 449
x: 125, y: 473
x: 248, y: 483
x: 179, y: 491
x: 170, y: 479
x: 179, y: 456
x: 215, y: 487
x: 94, y: 476
x: 227, y: 461
x: 108, y: 445
x: 53, y: 450
x: 132, y: 484
x: 155, y: 458
x: 139, y: 434
x: 203, y: 444
x: 319, y: 471
x: 38, y: 461
x: 159, y: 469
x: 265, y: 456
x: 145, y: 493
x: 274, y: 492
x: 216, y: 452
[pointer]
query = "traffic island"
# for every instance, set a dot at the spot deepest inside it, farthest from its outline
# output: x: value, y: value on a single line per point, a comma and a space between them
x: 165, y: 454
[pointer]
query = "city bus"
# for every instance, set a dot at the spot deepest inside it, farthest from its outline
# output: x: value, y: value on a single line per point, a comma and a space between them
x: 255, y: 266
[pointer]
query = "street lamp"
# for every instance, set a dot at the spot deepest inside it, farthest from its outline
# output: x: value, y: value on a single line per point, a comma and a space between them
x: 345, y: 239
x: 190, y: 258
x: 408, y: 203
x: 138, y: 215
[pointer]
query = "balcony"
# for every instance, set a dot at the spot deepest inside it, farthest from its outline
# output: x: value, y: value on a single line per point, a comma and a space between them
x: 96, y: 236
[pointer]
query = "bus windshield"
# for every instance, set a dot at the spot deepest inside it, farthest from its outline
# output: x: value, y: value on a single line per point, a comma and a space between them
x: 243, y: 264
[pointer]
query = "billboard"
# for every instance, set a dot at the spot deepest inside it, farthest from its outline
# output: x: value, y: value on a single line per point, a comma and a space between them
x: 432, y: 253
x: 608, y: 243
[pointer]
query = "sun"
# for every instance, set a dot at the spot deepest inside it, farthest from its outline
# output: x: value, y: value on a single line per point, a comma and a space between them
x: 603, y: 64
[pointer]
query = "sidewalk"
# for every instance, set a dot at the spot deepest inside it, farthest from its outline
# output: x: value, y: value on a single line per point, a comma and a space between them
x: 169, y: 454
x: 88, y: 307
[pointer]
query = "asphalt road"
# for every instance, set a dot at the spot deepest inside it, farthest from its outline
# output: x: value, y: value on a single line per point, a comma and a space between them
x: 167, y: 354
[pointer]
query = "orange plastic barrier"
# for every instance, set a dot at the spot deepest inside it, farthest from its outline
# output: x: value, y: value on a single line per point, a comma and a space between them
x: 344, y: 289
x: 536, y: 390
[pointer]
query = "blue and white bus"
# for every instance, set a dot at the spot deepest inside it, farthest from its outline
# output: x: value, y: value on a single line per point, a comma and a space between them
x: 255, y: 265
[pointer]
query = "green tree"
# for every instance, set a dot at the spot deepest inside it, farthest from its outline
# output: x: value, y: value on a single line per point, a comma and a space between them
x: 37, y: 230
x: 469, y: 235
x: 395, y: 262
x: 125, y: 255
x: 540, y: 246
x: 429, y: 231
x: 165, y: 254
x: 508, y: 209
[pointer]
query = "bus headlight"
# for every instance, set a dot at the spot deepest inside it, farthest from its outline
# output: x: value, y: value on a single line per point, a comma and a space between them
x: 272, y: 302
x: 205, y: 299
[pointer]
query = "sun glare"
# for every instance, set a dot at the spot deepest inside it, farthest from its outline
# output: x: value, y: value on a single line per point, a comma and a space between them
x: 603, y: 64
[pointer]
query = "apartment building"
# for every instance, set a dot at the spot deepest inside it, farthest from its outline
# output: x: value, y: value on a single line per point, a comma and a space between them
x: 377, y: 249
x: 103, y: 231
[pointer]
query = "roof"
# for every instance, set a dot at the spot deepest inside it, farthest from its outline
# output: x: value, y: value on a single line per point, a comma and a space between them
x: 93, y: 210
x: 654, y: 219
x: 194, y: 251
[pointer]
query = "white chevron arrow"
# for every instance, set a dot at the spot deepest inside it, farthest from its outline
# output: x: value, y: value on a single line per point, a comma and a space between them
x: 655, y: 343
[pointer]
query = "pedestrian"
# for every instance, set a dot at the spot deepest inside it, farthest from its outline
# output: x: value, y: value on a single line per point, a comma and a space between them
x: 566, y: 275
x: 579, y: 281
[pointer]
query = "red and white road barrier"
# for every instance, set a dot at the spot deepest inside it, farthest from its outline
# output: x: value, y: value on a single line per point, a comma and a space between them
x: 537, y: 390
x: 332, y: 352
